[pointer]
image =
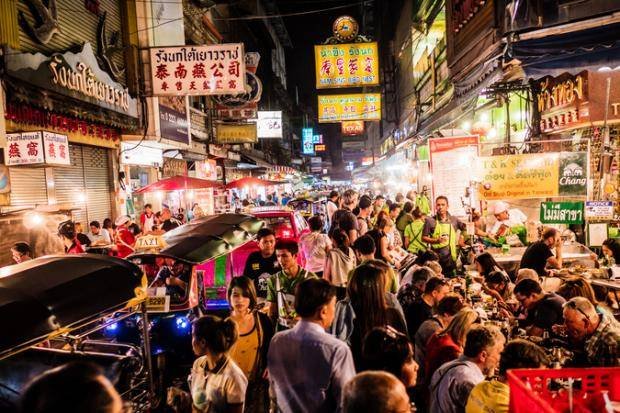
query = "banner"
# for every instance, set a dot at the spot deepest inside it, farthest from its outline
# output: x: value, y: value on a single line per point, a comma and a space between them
x: 359, y: 106
x: 198, y: 70
x: 229, y: 133
x: 561, y: 212
x: 451, y: 160
x: 539, y: 175
x: 269, y: 124
x: 173, y: 122
x: 352, y: 127
x: 346, y: 65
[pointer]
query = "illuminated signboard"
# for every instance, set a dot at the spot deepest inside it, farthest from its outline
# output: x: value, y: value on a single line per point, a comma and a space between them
x: 319, y: 147
x: 307, y: 141
x: 352, y: 127
x: 359, y: 106
x: 317, y: 139
x: 346, y: 65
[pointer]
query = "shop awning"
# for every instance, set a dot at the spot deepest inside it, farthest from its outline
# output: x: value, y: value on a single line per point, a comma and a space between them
x: 571, y: 53
x: 250, y: 181
x: 178, y: 183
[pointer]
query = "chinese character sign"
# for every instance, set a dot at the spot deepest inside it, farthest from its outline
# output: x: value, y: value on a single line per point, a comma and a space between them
x: 24, y: 148
x: 56, y: 148
x: 346, y: 65
x: 360, y: 106
x: 198, y: 70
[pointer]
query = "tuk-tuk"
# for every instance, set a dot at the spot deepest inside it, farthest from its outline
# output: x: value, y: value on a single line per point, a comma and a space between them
x: 182, y: 268
x: 54, y: 310
x: 307, y: 207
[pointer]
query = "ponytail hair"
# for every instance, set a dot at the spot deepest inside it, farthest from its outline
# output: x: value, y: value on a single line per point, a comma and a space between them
x: 219, y: 334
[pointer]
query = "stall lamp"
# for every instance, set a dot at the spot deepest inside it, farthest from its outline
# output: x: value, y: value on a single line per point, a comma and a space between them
x: 484, y: 117
x: 112, y: 327
x: 160, y: 194
x: 33, y: 219
x: 466, y: 126
x: 492, y: 133
x: 82, y: 197
x: 190, y: 194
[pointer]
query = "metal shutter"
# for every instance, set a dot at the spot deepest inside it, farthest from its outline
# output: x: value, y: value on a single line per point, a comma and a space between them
x: 98, y: 186
x: 28, y: 186
x: 69, y: 185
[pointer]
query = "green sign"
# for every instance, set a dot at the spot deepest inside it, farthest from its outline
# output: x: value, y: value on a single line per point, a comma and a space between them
x: 561, y: 212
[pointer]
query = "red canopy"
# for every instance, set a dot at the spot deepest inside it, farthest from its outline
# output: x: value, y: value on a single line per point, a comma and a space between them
x: 178, y: 183
x: 250, y: 181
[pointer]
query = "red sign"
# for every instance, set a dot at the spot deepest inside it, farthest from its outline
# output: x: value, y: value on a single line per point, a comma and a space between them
x: 353, y: 127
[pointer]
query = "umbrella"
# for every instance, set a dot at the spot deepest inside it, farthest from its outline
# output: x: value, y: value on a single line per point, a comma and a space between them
x: 178, y: 183
x: 250, y: 181
x: 207, y: 238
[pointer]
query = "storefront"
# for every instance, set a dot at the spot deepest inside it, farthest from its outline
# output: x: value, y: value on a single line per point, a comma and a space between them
x: 76, y: 170
x: 140, y: 164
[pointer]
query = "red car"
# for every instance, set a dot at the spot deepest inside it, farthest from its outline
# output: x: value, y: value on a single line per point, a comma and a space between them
x: 286, y: 223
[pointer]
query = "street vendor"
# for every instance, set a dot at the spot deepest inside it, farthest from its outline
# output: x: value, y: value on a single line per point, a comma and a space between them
x: 441, y: 231
x: 539, y: 254
x: 508, y: 221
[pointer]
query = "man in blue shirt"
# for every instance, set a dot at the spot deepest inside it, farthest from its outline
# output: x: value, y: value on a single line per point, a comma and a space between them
x: 308, y: 368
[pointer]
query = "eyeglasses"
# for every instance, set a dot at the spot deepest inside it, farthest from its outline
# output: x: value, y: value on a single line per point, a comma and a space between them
x: 573, y: 306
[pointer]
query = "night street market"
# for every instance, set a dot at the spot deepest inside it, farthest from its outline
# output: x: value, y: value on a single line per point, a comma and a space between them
x: 310, y: 206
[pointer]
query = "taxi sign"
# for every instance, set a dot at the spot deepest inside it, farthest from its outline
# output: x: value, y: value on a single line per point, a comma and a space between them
x: 149, y: 243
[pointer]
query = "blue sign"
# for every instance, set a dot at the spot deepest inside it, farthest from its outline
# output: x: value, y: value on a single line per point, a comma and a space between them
x: 307, y: 142
x: 317, y: 139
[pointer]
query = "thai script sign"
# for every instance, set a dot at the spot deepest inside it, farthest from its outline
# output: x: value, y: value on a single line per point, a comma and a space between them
x: 536, y: 175
x: 561, y: 100
x: 38, y: 147
x: 561, y: 212
x: 231, y: 133
x: 359, y: 106
x: 76, y: 75
x: 198, y: 70
x: 346, y: 65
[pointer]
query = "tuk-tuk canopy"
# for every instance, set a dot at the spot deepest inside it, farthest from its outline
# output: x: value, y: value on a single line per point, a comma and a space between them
x: 206, y: 238
x: 48, y: 295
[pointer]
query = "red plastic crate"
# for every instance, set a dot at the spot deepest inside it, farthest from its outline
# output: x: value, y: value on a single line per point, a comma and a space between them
x: 535, y: 397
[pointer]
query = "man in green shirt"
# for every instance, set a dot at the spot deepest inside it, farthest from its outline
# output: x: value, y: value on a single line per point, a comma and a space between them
x: 281, y: 285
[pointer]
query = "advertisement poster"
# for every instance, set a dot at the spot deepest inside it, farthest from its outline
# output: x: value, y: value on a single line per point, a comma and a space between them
x: 451, y: 161
x: 539, y: 175
x: 346, y: 65
x: 198, y: 70
x: 561, y: 212
x: 173, y: 123
x: 599, y: 210
x: 358, y: 106
x: 233, y: 133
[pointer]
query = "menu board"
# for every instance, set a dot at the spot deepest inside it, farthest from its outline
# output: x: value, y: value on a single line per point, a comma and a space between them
x: 451, y: 167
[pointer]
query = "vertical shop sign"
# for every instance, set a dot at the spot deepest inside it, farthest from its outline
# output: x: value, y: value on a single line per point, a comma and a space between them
x: 451, y: 161
x: 173, y: 118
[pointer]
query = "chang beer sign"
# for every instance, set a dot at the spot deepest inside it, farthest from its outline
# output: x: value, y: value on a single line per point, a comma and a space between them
x: 573, y: 174
x: 561, y: 212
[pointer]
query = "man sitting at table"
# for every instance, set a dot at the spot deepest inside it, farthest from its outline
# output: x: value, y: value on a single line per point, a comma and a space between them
x: 543, y: 309
x: 539, y: 255
x: 596, y: 334
x: 98, y: 235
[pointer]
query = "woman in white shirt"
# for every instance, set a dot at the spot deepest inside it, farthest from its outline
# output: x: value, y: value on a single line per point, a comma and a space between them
x: 216, y: 383
x: 314, y: 246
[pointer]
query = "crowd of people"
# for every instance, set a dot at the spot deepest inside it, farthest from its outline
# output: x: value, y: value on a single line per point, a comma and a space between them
x: 345, y: 332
